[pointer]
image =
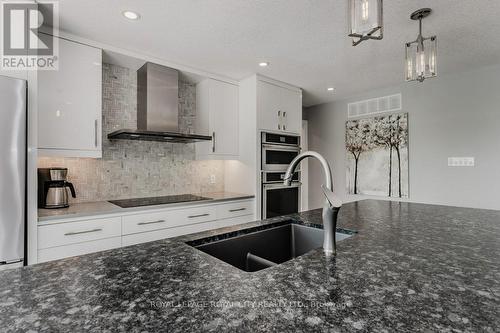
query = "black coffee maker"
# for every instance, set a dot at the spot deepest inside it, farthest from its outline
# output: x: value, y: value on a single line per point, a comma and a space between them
x: 53, y: 188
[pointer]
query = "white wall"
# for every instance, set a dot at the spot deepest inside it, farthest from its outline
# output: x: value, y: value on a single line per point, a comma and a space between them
x: 451, y: 115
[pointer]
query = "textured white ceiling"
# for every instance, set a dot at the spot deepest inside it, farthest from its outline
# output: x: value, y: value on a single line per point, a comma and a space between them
x: 304, y: 40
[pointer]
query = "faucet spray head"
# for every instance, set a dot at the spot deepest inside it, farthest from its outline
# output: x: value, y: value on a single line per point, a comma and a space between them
x: 332, y: 198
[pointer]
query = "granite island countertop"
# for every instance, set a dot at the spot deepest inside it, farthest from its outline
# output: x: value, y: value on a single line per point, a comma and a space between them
x: 98, y: 208
x: 410, y: 268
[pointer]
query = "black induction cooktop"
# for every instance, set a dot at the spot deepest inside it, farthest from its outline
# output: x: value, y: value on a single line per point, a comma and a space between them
x: 139, y: 202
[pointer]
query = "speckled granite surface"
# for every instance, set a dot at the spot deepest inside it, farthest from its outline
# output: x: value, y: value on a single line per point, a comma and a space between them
x: 411, y: 268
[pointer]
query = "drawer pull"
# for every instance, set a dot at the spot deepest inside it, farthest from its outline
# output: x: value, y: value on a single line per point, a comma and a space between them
x: 237, y: 210
x: 201, y: 215
x: 213, y: 142
x: 95, y: 132
x: 152, y: 222
x: 81, y: 232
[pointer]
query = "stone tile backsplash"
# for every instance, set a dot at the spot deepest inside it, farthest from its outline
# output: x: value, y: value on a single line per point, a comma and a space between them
x: 138, y: 168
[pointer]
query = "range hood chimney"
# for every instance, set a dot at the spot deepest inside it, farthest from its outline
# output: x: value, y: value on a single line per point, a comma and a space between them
x: 157, y: 108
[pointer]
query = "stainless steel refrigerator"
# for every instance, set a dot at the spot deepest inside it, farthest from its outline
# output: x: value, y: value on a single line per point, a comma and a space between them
x: 12, y: 171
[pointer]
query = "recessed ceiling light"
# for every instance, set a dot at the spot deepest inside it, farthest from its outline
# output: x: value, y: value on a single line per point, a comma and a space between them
x: 131, y: 15
x: 263, y: 64
x: 331, y: 89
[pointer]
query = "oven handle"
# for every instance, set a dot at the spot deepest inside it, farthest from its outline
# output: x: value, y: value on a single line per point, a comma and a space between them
x: 281, y: 144
x: 268, y: 146
x: 277, y: 186
x: 282, y: 176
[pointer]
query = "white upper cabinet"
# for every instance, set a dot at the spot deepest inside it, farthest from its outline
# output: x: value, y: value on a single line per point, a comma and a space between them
x: 279, y: 108
x: 292, y: 110
x: 70, y: 103
x: 217, y: 116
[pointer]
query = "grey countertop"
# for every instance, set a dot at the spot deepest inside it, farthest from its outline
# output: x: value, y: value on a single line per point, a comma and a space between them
x: 411, y: 268
x: 91, y: 209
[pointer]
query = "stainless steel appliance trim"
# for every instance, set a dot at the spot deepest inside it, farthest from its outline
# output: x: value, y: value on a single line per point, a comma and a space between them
x: 152, y: 222
x: 264, y: 140
x: 157, y: 98
x: 157, y: 108
x: 278, y: 186
x: 283, y: 147
x: 264, y: 179
x: 273, y: 186
x: 82, y: 232
x: 276, y: 167
x: 200, y: 215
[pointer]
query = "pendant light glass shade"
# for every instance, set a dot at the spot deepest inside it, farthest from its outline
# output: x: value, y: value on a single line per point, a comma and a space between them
x: 421, y: 54
x: 365, y: 20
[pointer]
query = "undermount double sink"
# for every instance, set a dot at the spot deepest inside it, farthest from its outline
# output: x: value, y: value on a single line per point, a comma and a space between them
x: 266, y: 246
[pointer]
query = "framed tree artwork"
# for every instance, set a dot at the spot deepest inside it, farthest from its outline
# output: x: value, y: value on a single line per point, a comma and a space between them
x: 377, y: 156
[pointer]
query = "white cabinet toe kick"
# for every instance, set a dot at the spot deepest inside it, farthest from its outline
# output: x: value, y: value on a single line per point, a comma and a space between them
x: 76, y: 237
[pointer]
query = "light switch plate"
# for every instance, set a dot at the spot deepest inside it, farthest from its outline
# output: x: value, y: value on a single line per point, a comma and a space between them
x: 461, y: 161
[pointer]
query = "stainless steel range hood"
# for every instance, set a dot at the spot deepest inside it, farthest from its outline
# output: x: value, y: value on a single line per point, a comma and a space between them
x: 157, y: 108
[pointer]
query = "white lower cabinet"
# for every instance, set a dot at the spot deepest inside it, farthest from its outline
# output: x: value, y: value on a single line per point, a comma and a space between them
x: 235, y: 209
x: 72, y: 238
x: 144, y: 222
x: 56, y: 241
x: 59, y: 252
x: 150, y: 236
x: 234, y: 221
x: 78, y: 232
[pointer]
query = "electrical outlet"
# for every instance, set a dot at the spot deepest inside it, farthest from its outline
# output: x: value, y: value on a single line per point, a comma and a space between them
x: 461, y: 161
x: 212, y: 179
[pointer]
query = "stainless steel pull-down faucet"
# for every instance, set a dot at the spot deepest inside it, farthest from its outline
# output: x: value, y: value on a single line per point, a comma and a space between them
x: 331, y: 205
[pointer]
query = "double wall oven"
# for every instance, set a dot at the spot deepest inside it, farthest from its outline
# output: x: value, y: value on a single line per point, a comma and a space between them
x: 278, y: 150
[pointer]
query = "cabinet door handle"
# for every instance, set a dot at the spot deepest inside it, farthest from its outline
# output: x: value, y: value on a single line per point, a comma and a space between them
x: 279, y: 126
x: 95, y: 132
x: 81, y: 232
x: 213, y: 142
x: 284, y: 114
x: 152, y: 222
x: 284, y: 128
x: 201, y: 215
x: 237, y: 210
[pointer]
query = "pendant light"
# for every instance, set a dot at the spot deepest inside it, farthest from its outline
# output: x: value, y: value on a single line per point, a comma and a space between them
x: 421, y: 54
x: 365, y: 20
